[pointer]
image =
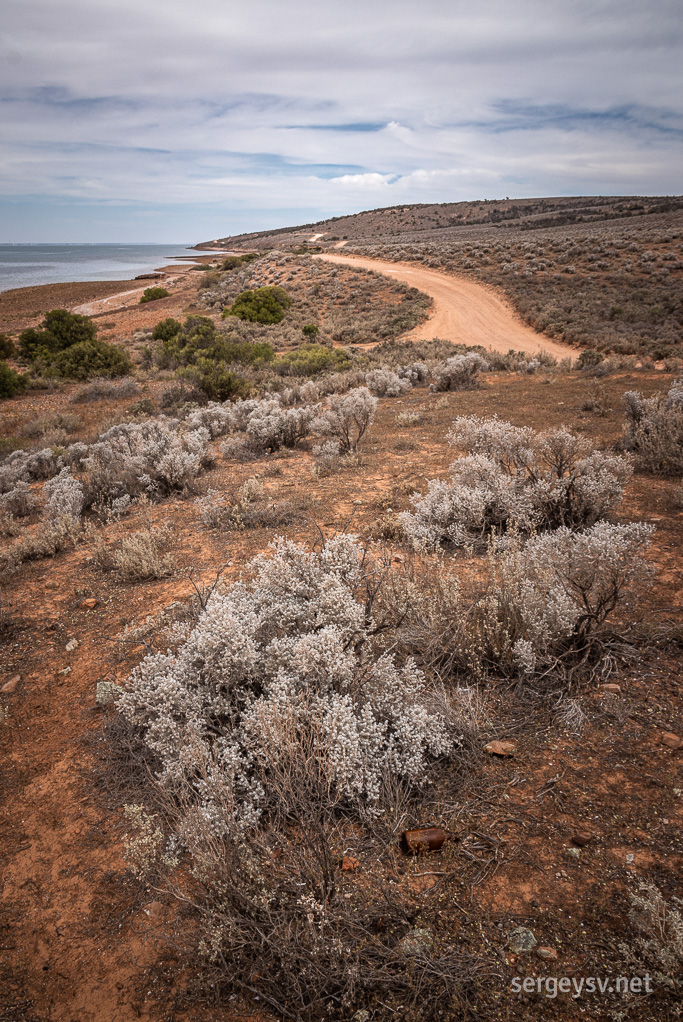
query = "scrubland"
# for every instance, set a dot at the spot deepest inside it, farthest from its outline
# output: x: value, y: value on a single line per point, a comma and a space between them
x: 252, y: 637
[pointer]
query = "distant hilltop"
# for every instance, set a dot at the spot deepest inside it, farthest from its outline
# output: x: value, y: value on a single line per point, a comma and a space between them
x: 411, y: 222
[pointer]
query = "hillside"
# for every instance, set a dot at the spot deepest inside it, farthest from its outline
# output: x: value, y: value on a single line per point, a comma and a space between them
x: 328, y: 564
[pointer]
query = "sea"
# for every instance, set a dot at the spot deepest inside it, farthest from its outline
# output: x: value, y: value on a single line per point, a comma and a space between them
x: 28, y: 265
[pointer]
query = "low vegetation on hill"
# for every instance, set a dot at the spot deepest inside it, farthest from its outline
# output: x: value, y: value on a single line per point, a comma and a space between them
x: 340, y: 668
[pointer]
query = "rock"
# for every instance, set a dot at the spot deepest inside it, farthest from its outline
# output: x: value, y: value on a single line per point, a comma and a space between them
x: 154, y: 910
x: 11, y: 685
x: 361, y: 1016
x: 573, y: 853
x: 671, y: 740
x: 349, y: 864
x: 500, y: 748
x: 521, y: 939
x: 581, y: 838
x: 67, y: 670
x: 612, y: 687
x: 418, y: 941
x: 548, y: 954
x: 71, y: 645
x: 107, y: 692
x: 89, y: 604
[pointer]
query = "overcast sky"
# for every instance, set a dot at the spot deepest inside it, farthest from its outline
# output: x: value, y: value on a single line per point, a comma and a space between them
x: 161, y: 120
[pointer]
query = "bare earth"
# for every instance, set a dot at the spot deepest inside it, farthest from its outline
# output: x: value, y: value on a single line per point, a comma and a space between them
x: 464, y: 311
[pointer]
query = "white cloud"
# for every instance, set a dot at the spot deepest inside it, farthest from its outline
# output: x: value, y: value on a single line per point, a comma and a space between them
x: 329, y: 107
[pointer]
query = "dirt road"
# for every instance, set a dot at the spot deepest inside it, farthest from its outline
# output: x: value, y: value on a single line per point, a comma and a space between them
x: 464, y: 311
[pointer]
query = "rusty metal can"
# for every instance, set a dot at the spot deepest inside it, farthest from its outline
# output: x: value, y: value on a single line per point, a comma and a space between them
x: 423, y: 839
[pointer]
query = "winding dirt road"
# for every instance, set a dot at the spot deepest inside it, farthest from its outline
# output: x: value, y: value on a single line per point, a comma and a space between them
x: 464, y: 311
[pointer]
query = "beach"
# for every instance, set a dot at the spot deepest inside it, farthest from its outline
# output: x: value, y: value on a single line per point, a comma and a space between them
x: 25, y: 306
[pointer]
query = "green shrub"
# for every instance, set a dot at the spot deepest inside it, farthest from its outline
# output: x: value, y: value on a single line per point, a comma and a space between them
x: 311, y: 359
x: 166, y: 329
x: 214, y: 380
x: 198, y: 338
x: 7, y: 348
x: 310, y: 330
x: 264, y: 305
x: 91, y: 358
x: 59, y: 330
x: 11, y: 383
x: 66, y: 345
x: 233, y: 261
x: 589, y: 357
x: 151, y: 294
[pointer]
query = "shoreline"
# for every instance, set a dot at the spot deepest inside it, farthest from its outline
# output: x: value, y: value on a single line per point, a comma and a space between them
x: 22, y: 307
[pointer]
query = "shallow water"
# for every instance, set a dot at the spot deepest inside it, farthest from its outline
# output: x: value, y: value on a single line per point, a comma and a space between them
x: 28, y: 265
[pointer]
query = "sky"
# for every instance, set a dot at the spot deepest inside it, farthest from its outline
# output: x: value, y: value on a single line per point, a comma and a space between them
x: 170, y: 122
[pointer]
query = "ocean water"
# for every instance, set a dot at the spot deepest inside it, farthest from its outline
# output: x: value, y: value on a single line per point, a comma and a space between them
x: 27, y: 265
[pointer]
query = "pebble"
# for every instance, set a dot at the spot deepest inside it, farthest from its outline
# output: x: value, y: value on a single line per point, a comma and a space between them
x: 573, y: 853
x: 89, y: 604
x: 11, y: 685
x: 521, y: 939
x: 349, y: 863
x: 612, y: 687
x: 581, y: 838
x: 548, y: 954
x: 71, y: 645
x: 418, y: 941
x: 500, y: 748
x: 671, y: 740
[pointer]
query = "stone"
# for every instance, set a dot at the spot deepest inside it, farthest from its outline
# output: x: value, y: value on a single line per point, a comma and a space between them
x: 521, y: 940
x: 89, y: 604
x: 500, y: 748
x: 671, y: 740
x: 361, y: 1016
x: 573, y: 853
x: 71, y: 645
x: 11, y: 685
x: 418, y: 941
x: 349, y: 864
x: 581, y: 838
x: 107, y: 692
x: 612, y: 687
x: 548, y: 954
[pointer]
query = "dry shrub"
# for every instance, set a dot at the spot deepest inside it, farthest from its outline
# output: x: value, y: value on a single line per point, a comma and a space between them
x: 46, y: 542
x: 654, y: 430
x: 140, y: 556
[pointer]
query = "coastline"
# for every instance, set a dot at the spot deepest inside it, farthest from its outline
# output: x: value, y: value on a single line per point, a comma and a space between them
x: 22, y: 307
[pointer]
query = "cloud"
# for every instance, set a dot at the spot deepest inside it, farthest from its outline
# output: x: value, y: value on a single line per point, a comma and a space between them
x: 263, y: 109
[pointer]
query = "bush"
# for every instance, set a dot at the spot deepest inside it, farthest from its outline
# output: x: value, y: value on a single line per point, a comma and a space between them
x: 18, y: 501
x: 214, y: 381
x: 197, y: 339
x: 310, y: 330
x: 139, y: 557
x: 273, y: 664
x: 67, y: 345
x: 65, y: 497
x: 459, y: 372
x: 312, y: 359
x: 513, y: 479
x: 11, y: 382
x: 166, y: 329
x: 386, y: 383
x: 91, y: 358
x: 150, y: 457
x: 151, y: 294
x: 264, y: 305
x: 347, y: 417
x: 59, y: 330
x: 654, y: 430
x: 7, y: 347
x: 542, y: 609
x: 271, y: 427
